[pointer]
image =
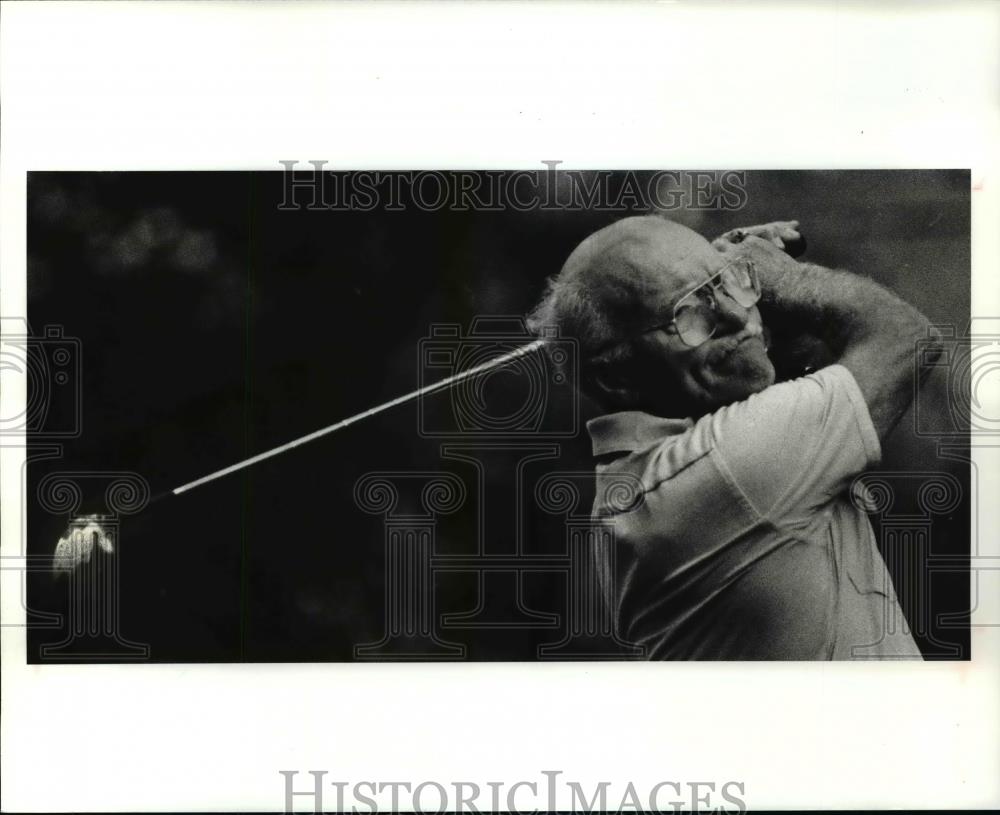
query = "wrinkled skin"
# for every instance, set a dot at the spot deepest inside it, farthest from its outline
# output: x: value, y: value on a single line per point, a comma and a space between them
x: 655, y: 262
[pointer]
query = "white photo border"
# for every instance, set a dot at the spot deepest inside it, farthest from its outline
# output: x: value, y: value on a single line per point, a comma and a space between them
x: 225, y: 85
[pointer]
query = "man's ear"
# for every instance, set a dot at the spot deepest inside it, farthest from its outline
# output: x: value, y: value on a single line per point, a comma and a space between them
x: 612, y: 383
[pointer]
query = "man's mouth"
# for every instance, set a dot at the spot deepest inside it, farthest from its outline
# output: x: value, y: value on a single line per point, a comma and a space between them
x: 739, y: 341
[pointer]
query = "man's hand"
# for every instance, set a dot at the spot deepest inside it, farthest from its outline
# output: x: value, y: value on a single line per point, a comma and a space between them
x: 866, y: 328
x: 783, y: 234
x: 771, y: 262
x: 800, y: 341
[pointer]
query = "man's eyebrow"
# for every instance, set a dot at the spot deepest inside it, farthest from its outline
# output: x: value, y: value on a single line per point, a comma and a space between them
x: 665, y: 305
x: 711, y: 276
x: 683, y: 291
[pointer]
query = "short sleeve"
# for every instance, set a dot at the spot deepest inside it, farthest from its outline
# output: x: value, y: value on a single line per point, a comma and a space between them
x: 797, y: 445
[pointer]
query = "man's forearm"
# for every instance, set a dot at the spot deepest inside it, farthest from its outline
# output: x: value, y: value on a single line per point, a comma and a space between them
x: 842, y: 308
x: 867, y: 328
x: 837, y: 306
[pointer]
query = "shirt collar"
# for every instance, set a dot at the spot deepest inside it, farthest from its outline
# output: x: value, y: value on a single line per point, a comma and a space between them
x: 631, y: 430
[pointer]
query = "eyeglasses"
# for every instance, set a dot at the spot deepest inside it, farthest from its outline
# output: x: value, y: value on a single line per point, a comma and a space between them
x: 696, y: 314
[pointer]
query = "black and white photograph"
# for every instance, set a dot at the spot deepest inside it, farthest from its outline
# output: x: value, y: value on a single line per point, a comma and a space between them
x: 499, y: 407
x: 315, y: 416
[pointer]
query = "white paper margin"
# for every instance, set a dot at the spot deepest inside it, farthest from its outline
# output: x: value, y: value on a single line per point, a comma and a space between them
x: 745, y: 85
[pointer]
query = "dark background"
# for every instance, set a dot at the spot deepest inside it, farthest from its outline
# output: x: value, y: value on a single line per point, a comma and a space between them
x: 214, y: 326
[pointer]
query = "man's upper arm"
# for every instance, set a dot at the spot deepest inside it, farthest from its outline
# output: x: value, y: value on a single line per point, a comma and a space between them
x: 886, y: 372
x: 796, y: 445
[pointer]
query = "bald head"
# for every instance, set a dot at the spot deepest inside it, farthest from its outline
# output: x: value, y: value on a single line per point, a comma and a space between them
x: 625, y: 277
x: 624, y: 281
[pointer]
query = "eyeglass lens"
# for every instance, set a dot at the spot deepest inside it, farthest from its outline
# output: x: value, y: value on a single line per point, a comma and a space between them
x: 696, y: 317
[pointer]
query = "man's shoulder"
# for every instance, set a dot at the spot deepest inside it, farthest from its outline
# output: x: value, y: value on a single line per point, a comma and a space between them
x: 742, y: 447
x: 793, y: 418
x: 676, y: 443
x: 653, y: 467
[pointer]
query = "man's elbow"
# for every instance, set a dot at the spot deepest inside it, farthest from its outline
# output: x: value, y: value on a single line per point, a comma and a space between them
x: 933, y: 343
x: 927, y: 350
x: 929, y: 346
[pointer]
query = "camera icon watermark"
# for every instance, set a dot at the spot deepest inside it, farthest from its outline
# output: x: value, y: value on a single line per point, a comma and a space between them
x: 507, y: 393
x: 51, y: 366
x: 972, y: 366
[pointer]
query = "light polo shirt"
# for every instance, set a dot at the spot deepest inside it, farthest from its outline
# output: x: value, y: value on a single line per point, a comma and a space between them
x: 744, y: 543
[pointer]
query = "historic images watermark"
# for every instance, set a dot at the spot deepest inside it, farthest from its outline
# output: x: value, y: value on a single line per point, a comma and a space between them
x: 542, y: 409
x: 50, y: 363
x: 906, y: 502
x: 544, y: 381
x: 970, y: 366
x: 548, y: 793
x: 86, y: 557
x: 971, y: 362
x: 497, y: 428
x: 312, y: 186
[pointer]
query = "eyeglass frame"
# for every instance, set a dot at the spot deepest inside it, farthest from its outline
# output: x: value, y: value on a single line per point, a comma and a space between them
x: 714, y: 305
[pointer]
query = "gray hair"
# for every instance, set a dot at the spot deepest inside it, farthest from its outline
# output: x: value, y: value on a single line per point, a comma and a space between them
x: 600, y: 292
x: 570, y: 307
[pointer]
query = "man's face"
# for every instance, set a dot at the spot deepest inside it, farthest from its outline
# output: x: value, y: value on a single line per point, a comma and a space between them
x: 727, y: 367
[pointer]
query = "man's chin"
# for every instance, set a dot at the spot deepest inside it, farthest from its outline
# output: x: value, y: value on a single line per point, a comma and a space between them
x: 741, y: 376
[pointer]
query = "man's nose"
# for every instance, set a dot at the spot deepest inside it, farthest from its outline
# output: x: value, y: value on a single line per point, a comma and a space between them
x: 731, y: 315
